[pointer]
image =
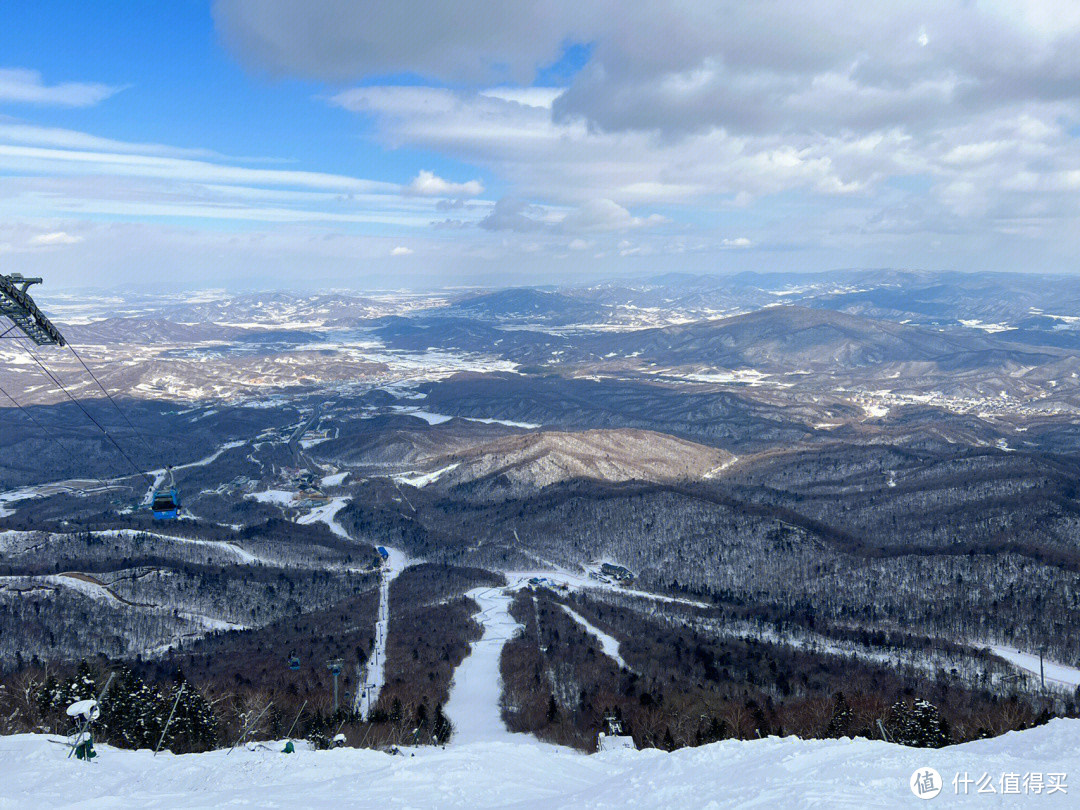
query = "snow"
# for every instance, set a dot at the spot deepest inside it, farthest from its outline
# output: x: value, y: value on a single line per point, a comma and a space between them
x: 520, y: 579
x: 427, y: 416
x: 242, y: 555
x: 975, y: 323
x: 367, y: 696
x: 717, y: 470
x: 325, y: 514
x: 335, y: 480
x: 519, y: 772
x: 1061, y: 674
x: 474, y: 703
x: 875, y: 410
x: 439, y: 418
x: 279, y: 496
x: 609, y: 644
x: 423, y: 479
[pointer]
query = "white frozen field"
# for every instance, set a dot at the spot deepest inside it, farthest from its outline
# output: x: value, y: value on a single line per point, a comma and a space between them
x: 474, y: 706
x: 522, y: 773
x: 519, y: 579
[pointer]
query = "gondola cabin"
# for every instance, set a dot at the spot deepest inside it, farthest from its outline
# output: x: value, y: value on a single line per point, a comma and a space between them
x: 165, y: 504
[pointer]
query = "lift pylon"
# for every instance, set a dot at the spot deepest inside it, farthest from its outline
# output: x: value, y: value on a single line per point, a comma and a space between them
x: 17, y: 305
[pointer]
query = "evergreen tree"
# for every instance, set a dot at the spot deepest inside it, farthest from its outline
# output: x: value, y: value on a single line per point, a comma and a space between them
x: 841, y: 718
x: 442, y: 728
x: 194, y: 726
x: 421, y: 715
x: 919, y: 725
x: 316, y: 732
x: 552, y: 710
x: 131, y: 712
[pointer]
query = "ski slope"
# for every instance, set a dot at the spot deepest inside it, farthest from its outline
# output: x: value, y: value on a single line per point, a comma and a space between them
x: 609, y: 644
x: 474, y: 703
x: 1056, y: 674
x: 520, y: 773
x: 328, y: 514
x: 367, y: 696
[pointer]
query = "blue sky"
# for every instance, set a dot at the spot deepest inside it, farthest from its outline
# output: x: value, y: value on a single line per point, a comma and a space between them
x: 362, y: 144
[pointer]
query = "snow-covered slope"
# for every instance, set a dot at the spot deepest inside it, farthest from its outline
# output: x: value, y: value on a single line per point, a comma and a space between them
x: 761, y: 773
x: 473, y: 705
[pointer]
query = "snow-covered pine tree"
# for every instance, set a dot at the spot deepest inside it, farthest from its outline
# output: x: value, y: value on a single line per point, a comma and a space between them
x: 316, y: 731
x: 131, y: 712
x: 194, y: 726
x: 840, y: 722
x: 918, y: 724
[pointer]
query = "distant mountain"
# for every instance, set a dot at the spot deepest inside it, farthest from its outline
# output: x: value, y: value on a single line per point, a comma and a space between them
x: 526, y: 304
x: 464, y: 452
x: 790, y: 337
x: 464, y: 334
x: 543, y: 458
x: 146, y: 331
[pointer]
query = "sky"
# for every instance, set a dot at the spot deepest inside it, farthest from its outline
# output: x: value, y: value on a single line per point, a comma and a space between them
x: 349, y: 143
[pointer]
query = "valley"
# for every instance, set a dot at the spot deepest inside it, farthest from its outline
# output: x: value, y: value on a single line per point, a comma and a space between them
x: 524, y: 511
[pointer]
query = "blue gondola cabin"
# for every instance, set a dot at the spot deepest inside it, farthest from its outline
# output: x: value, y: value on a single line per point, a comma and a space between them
x: 165, y: 504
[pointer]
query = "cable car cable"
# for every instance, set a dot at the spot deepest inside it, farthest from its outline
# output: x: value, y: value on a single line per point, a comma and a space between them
x: 87, y: 413
x: 123, y: 416
x: 46, y: 431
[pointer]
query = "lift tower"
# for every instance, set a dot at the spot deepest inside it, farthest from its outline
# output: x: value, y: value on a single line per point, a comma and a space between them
x: 17, y: 305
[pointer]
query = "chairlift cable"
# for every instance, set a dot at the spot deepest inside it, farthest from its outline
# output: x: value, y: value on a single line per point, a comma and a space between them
x: 86, y: 413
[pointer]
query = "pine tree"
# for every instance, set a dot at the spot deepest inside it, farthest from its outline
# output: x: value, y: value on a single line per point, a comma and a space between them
x: 421, y: 715
x: 841, y: 718
x: 442, y: 728
x: 316, y: 732
x: 919, y: 725
x: 131, y: 712
x: 552, y: 710
x: 194, y: 726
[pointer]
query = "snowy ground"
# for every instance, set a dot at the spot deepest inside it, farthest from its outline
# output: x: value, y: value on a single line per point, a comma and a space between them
x: 519, y: 773
x: 1056, y: 674
x: 473, y: 705
x: 327, y: 514
x: 520, y: 579
x: 609, y: 644
x: 375, y: 674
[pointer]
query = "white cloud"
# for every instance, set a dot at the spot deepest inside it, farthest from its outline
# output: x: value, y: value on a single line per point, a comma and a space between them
x: 606, y: 215
x: 542, y: 97
x: 54, y: 238
x: 24, y: 86
x: 401, y: 250
x: 429, y: 184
